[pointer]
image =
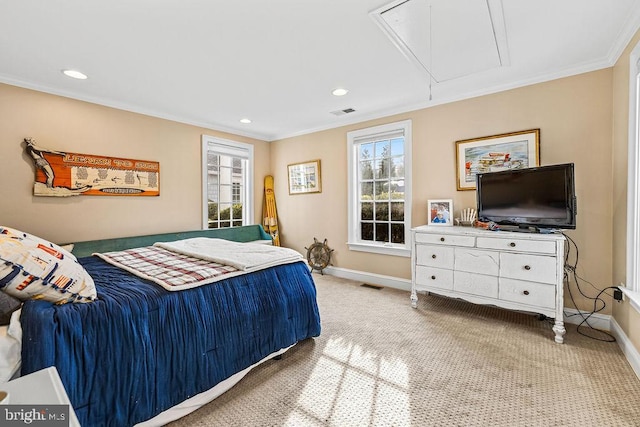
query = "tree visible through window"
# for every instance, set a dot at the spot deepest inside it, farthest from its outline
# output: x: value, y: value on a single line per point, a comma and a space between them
x: 381, y: 165
x: 227, y: 172
x: 379, y: 189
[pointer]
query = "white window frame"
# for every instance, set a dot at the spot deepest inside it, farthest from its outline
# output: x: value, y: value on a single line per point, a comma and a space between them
x: 231, y: 148
x: 355, y: 138
x: 633, y: 182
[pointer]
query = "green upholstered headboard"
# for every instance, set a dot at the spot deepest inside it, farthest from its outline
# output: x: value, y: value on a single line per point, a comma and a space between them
x: 247, y: 233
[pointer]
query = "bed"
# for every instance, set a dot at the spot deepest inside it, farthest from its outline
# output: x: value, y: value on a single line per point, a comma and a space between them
x: 141, y: 354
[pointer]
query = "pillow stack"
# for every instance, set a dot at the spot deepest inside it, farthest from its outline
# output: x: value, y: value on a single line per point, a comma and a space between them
x: 33, y: 268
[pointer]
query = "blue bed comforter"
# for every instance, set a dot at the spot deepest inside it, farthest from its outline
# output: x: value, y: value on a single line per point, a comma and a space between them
x: 139, y: 349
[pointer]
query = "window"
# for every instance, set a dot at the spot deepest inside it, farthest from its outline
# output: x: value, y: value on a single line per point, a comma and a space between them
x: 227, y: 173
x: 633, y: 181
x: 236, y: 192
x: 380, y: 189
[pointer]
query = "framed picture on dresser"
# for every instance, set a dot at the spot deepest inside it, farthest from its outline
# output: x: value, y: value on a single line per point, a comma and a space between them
x: 440, y: 212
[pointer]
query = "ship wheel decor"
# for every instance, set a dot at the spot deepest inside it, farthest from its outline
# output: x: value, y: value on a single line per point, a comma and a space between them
x: 318, y: 255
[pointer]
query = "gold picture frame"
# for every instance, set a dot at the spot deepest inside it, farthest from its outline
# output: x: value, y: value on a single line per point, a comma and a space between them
x: 515, y: 150
x: 305, y: 177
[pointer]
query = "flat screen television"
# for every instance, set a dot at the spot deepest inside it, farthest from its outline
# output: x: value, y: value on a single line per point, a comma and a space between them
x: 529, y: 199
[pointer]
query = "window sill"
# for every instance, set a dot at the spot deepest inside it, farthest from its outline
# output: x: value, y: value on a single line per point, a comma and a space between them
x: 380, y: 249
x: 634, y: 297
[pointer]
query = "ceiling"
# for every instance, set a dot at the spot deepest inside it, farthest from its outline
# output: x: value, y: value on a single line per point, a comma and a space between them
x: 211, y: 63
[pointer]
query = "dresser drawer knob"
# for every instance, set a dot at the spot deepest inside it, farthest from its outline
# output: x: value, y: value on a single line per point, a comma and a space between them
x: 526, y: 292
x: 512, y: 244
x: 433, y: 277
x: 526, y: 267
x: 433, y: 256
x: 442, y: 239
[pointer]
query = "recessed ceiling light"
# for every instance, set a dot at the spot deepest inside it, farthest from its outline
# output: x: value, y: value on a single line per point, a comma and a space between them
x: 75, y: 74
x: 340, y: 91
x: 245, y: 121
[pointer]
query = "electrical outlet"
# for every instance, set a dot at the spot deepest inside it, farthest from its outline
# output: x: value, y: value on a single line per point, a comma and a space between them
x: 617, y: 294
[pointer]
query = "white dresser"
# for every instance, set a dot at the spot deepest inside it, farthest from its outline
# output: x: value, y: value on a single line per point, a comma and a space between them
x: 517, y: 271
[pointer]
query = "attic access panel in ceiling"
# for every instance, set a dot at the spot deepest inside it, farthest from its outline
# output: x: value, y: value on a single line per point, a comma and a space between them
x: 447, y: 38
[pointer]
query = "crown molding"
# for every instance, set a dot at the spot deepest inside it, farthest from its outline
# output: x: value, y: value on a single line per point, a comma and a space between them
x: 130, y: 108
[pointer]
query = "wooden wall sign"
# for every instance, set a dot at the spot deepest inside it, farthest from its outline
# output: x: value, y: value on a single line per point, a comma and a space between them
x: 61, y: 174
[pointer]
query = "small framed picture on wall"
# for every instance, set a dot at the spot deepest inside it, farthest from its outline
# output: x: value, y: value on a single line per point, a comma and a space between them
x: 305, y: 177
x: 440, y: 212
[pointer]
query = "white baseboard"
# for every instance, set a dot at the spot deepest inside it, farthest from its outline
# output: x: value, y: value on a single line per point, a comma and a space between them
x: 374, y: 279
x: 598, y: 321
x: 627, y: 347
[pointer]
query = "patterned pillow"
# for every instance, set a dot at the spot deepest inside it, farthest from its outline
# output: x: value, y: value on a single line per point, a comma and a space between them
x: 33, y: 268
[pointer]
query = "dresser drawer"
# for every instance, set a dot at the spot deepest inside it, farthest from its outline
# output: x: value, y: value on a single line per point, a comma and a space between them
x: 445, y: 239
x: 475, y: 284
x: 518, y: 245
x: 434, y: 277
x: 530, y: 293
x: 477, y: 261
x: 434, y: 256
x: 533, y: 268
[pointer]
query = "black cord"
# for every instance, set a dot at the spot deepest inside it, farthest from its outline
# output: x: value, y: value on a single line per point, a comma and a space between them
x: 571, y: 271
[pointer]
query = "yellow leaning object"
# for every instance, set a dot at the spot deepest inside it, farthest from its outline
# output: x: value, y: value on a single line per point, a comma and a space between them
x: 269, y: 213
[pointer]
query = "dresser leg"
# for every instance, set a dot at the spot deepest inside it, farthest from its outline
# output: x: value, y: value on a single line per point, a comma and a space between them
x: 559, y: 329
x: 414, y: 299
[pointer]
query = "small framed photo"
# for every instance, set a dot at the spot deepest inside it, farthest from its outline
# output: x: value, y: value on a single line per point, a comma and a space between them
x: 305, y: 177
x: 440, y: 212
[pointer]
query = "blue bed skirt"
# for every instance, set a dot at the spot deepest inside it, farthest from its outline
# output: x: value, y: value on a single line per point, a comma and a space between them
x: 139, y: 349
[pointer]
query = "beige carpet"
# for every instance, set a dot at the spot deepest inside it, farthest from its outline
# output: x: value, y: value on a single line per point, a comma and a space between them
x: 378, y: 362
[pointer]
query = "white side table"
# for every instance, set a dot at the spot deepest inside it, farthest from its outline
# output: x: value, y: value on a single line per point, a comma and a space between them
x: 40, y: 388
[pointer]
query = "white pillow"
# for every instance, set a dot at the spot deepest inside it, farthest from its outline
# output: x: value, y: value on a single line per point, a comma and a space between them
x: 34, y: 268
x: 10, y: 344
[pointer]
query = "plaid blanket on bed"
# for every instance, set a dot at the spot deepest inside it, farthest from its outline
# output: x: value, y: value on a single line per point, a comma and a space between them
x: 171, y: 270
